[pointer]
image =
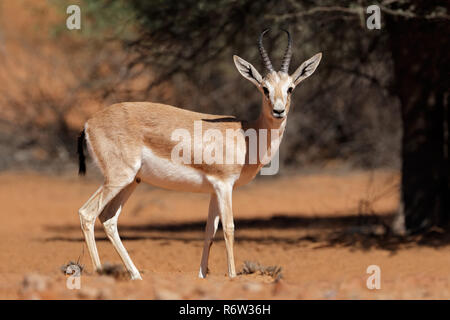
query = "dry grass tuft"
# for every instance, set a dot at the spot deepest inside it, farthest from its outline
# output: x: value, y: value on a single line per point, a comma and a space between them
x: 251, y: 267
x: 72, y: 267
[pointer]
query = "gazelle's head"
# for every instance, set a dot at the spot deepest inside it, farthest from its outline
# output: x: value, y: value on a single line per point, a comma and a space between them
x: 276, y: 87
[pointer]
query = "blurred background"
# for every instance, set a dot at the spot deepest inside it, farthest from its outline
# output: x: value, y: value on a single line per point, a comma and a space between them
x: 378, y: 100
x: 180, y: 52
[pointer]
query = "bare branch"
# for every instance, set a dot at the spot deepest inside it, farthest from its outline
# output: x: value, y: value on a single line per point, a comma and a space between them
x: 357, y: 10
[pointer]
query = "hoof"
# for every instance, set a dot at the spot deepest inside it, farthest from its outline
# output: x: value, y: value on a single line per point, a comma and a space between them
x: 201, y: 274
x: 136, y: 277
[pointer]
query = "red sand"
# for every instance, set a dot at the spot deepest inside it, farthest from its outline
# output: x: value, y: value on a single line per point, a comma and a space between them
x: 300, y: 223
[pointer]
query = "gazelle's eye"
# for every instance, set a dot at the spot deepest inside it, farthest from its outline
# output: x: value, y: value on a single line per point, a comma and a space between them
x: 266, y: 91
x: 290, y: 90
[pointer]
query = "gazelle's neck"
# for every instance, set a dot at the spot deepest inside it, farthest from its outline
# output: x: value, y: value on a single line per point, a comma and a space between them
x: 267, y: 126
x: 266, y: 121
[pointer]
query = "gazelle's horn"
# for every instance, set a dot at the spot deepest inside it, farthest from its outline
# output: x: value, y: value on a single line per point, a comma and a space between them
x: 262, y: 51
x: 287, y: 54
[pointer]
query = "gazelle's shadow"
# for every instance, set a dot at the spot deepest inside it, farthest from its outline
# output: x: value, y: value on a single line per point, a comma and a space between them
x: 355, y: 231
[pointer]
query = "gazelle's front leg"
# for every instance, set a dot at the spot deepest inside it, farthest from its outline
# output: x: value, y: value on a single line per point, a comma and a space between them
x: 224, y: 196
x: 210, y: 231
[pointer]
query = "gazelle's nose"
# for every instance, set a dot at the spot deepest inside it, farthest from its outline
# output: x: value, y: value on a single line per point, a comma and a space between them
x: 279, y: 109
x: 279, y: 113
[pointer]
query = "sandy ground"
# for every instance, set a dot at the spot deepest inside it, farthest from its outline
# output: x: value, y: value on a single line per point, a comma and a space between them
x: 324, y: 230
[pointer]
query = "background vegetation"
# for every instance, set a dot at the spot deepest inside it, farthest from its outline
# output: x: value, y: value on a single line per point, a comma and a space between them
x: 372, y: 88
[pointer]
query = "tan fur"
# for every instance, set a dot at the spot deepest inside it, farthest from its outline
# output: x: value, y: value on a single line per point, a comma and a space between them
x: 118, y: 133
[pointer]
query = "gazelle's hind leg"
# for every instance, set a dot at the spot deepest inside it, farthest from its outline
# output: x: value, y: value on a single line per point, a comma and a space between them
x: 109, y: 217
x: 119, y: 159
x: 89, y: 212
x: 211, y: 228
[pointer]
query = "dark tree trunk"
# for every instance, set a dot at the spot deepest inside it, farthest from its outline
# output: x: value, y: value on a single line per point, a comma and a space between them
x: 420, y: 51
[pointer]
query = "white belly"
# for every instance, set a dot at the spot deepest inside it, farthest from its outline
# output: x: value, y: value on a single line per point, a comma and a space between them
x: 164, y: 173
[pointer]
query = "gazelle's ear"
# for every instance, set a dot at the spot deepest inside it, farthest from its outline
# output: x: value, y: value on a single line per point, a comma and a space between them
x: 247, y: 70
x: 306, y: 69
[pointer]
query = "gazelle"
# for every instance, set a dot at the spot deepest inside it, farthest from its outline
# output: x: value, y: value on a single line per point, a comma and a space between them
x: 132, y: 142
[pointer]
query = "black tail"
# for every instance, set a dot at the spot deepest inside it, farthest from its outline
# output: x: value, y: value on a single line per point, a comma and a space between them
x: 81, y: 157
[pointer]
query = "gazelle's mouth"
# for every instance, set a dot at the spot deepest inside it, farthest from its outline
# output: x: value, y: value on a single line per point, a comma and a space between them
x: 278, y: 114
